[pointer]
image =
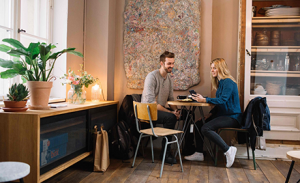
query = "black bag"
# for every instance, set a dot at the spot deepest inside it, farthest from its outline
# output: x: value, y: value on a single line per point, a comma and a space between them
x: 121, y: 141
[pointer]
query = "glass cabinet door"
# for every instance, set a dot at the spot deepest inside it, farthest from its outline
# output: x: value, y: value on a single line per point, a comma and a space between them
x: 275, y: 48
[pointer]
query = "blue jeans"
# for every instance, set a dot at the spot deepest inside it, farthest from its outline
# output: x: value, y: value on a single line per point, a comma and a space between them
x: 209, y: 131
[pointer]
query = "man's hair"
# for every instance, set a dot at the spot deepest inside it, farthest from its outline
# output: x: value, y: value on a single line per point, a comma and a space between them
x: 165, y: 55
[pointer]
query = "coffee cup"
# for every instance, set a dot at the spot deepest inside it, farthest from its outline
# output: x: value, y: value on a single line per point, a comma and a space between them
x: 181, y: 97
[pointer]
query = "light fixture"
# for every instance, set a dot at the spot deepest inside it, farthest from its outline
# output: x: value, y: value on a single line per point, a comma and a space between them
x: 96, y: 93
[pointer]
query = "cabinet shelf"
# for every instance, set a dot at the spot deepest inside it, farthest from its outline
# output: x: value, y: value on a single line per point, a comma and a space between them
x: 265, y: 73
x: 276, y: 20
x: 275, y: 48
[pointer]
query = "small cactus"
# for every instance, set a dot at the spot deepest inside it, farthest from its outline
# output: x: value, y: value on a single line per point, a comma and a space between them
x: 17, y: 92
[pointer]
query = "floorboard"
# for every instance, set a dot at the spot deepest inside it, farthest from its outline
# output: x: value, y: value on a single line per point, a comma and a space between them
x: 270, y: 171
x: 145, y: 171
x: 254, y: 176
x: 283, y: 167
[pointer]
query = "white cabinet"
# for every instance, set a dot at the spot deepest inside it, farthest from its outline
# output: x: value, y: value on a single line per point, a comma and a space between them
x: 273, y: 69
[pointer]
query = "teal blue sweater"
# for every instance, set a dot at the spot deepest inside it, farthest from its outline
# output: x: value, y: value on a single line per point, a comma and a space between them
x: 227, y: 100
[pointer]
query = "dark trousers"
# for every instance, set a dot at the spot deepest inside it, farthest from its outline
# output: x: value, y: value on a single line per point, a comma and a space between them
x: 168, y: 120
x: 209, y: 131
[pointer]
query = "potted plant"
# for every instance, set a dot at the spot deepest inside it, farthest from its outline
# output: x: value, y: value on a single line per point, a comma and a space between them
x: 17, y: 96
x: 77, y: 94
x: 31, y: 63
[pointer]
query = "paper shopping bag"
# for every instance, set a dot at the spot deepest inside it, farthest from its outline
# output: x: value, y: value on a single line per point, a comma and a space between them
x: 101, y: 150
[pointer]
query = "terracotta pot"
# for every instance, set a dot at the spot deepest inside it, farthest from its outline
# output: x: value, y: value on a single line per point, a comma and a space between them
x: 39, y: 94
x: 15, y: 104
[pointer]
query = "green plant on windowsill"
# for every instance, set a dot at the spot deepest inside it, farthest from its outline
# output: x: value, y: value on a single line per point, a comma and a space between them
x: 30, y: 62
x: 17, y: 95
x: 17, y: 92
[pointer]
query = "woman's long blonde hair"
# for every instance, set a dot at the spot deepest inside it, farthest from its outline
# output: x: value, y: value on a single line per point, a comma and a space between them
x: 223, y: 72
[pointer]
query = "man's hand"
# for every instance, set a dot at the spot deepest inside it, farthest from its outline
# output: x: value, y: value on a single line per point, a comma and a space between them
x: 176, y: 113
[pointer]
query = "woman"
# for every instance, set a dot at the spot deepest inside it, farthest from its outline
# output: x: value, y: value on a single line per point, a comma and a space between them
x: 225, y: 114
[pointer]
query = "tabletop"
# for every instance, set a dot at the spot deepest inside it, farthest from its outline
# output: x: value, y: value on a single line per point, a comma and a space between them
x: 184, y: 103
x: 293, y: 155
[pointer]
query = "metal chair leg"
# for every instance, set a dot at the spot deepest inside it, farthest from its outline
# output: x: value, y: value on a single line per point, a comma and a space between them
x: 137, y: 148
x: 217, y: 149
x: 216, y: 158
x: 164, y: 155
x: 178, y: 152
x: 247, y: 145
x: 290, y: 172
x: 152, y: 149
x: 254, y: 163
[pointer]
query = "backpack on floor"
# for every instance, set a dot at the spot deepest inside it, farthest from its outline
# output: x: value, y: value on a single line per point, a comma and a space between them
x: 121, y: 142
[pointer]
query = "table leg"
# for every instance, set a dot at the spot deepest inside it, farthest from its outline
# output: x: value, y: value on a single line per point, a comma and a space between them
x: 21, y: 180
x: 203, y: 122
x: 290, y: 172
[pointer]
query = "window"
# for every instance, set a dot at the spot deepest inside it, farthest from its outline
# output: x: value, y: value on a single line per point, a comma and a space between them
x: 27, y: 21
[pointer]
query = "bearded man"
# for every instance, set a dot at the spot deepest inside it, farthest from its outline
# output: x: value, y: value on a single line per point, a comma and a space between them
x: 158, y: 88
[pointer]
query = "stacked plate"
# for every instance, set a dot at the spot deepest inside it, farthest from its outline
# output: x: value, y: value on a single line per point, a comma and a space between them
x: 283, y: 12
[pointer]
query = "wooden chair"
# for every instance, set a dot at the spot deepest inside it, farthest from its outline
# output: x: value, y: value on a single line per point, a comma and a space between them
x: 247, y: 143
x: 146, y: 112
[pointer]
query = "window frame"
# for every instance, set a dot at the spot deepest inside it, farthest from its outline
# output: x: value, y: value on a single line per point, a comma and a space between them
x: 15, y: 25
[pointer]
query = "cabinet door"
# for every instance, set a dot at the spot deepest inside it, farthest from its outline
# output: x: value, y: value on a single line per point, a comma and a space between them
x: 62, y: 137
x: 102, y: 116
x: 273, y: 69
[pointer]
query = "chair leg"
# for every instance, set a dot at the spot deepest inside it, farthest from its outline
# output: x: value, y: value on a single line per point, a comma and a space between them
x: 178, y: 152
x: 254, y: 163
x: 216, y: 158
x: 164, y: 155
x: 217, y: 149
x: 247, y: 144
x: 137, y: 148
x: 152, y: 149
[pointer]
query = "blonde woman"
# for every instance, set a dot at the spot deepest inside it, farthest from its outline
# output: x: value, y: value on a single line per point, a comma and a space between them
x: 225, y: 114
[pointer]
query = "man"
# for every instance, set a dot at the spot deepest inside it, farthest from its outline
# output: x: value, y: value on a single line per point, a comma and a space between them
x: 158, y: 88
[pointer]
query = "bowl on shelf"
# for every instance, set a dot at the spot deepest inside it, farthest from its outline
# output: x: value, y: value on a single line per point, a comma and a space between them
x: 273, y: 88
x: 262, y: 43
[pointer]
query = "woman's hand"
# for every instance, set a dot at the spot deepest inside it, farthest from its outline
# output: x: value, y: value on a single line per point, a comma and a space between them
x: 198, y: 98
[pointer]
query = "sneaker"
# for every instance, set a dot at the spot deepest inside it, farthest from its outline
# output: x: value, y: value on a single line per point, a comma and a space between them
x: 230, y: 155
x: 195, y: 157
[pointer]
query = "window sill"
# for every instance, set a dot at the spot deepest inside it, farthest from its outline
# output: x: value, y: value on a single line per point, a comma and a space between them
x: 51, y: 100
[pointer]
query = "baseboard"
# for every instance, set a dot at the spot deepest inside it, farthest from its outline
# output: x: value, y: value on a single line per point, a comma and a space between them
x: 273, y: 151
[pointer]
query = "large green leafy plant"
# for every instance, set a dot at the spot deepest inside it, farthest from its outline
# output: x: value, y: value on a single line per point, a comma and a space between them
x: 30, y: 62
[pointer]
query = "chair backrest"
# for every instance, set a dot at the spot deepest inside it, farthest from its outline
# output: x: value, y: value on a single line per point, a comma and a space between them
x: 142, y: 110
x: 145, y: 111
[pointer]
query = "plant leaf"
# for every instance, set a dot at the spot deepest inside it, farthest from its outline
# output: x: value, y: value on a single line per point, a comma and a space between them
x: 10, y: 73
x: 33, y: 50
x: 18, y: 51
x: 4, y: 48
x: 15, y: 43
x: 75, y: 53
x: 6, y: 63
x: 19, y: 68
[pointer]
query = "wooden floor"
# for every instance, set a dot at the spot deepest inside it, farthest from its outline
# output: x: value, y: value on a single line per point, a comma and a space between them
x: 146, y: 171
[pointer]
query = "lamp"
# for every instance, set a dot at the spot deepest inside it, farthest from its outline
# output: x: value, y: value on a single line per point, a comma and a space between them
x: 96, y: 92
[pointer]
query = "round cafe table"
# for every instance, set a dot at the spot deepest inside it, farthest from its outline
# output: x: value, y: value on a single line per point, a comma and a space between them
x: 11, y: 170
x: 191, y: 107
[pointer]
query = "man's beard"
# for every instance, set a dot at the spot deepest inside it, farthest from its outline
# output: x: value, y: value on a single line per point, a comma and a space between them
x: 167, y: 69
